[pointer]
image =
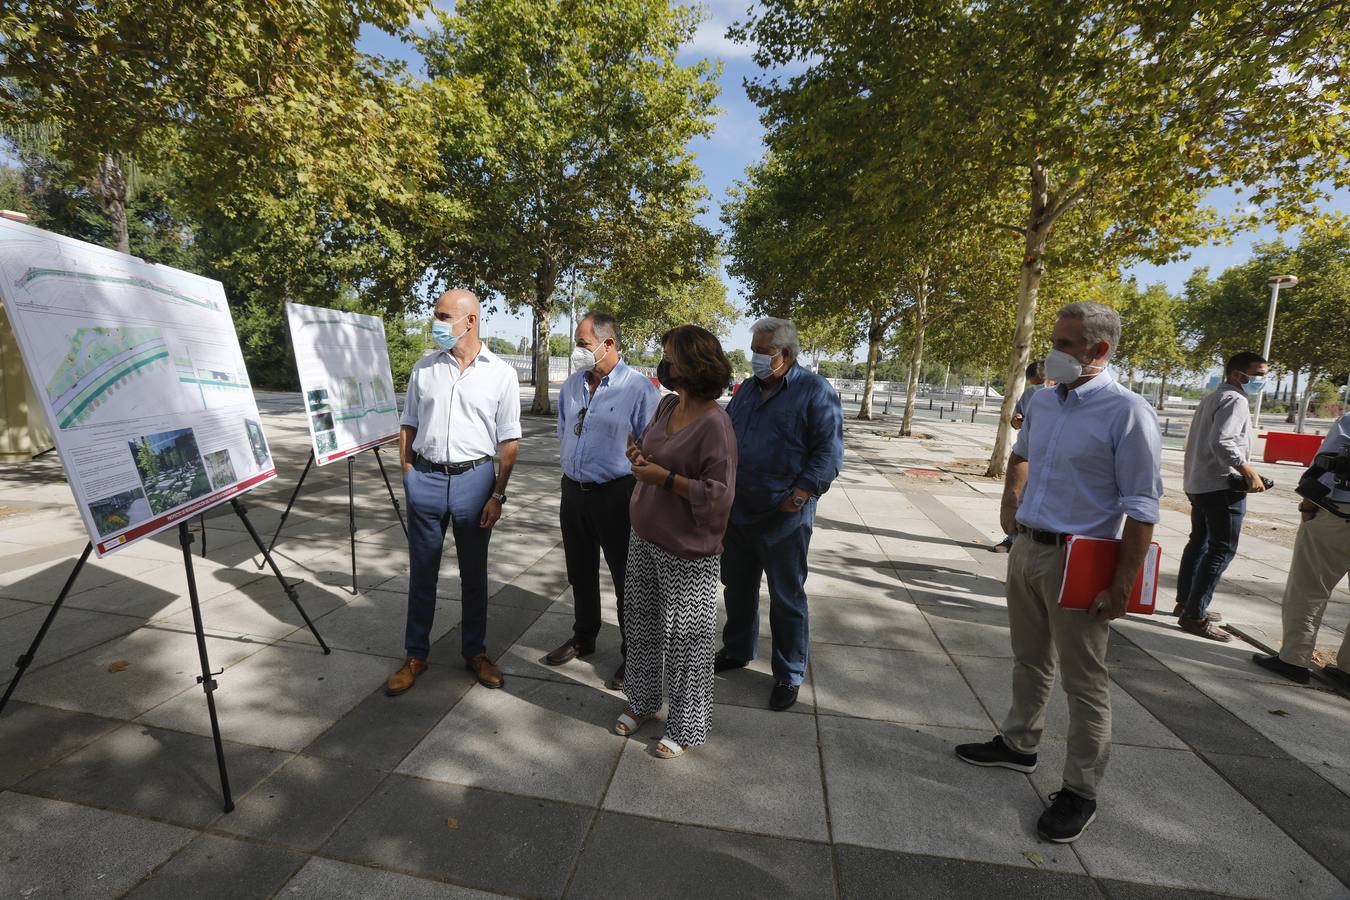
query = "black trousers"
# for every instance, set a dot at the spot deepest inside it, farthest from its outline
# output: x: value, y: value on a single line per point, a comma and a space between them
x: 595, y: 519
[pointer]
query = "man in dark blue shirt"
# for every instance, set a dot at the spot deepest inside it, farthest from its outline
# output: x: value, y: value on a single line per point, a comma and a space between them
x: 790, y: 441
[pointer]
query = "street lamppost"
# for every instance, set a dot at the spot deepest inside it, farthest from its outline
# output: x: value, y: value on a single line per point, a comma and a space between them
x: 1275, y: 282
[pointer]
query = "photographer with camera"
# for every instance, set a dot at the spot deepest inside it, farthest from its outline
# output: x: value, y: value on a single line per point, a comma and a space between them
x: 1321, y: 560
x: 1219, y: 446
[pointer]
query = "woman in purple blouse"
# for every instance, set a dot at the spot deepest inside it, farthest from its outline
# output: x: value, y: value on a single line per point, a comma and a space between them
x: 685, y: 466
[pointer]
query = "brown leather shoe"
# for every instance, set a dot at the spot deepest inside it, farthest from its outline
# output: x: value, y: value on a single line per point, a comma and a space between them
x: 1204, y: 628
x: 403, y: 679
x: 1178, y: 611
x: 487, y: 673
x: 572, y: 649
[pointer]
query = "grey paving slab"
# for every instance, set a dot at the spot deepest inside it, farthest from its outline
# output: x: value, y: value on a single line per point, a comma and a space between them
x: 163, y: 591
x: 302, y: 803
x: 898, y: 686
x: 970, y: 628
x: 161, y: 663
x: 1130, y: 890
x: 42, y: 583
x: 1292, y: 796
x: 261, y: 609
x: 681, y: 861
x: 328, y: 879
x: 374, y: 622
x: 1215, y: 839
x: 72, y: 631
x: 526, y: 656
x: 752, y: 685
x: 481, y: 839
x: 379, y: 731
x: 1131, y: 723
x: 34, y: 737
x: 775, y: 790
x: 218, y: 868
x: 53, y: 849
x: 533, y: 737
x: 1194, y: 657
x: 1193, y: 716
x: 283, y: 696
x: 902, y: 788
x: 152, y: 772
x: 866, y: 873
x: 877, y: 621
x: 1308, y: 723
x: 853, y: 574
x: 14, y: 607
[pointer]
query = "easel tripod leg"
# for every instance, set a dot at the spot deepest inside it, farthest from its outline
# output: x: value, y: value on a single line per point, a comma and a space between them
x: 207, y: 678
x: 242, y: 512
x: 351, y: 519
x: 23, y: 661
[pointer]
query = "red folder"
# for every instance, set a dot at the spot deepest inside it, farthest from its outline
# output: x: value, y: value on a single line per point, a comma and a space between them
x: 1089, y: 566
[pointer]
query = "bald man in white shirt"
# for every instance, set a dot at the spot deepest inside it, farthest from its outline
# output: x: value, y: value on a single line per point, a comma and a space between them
x: 463, y: 407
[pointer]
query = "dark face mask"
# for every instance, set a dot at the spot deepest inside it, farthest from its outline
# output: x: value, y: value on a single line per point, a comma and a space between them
x: 663, y: 375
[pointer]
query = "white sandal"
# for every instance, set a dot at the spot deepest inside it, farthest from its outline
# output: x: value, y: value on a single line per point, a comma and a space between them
x: 667, y: 748
x: 627, y: 725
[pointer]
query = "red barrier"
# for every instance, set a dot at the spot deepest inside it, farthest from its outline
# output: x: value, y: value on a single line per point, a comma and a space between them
x: 1290, y: 447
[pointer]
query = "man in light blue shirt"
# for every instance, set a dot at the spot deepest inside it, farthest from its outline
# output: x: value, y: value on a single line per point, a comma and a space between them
x: 600, y: 405
x: 1087, y: 462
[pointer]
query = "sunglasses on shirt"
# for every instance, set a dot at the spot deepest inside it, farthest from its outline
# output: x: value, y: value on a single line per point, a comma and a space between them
x: 581, y: 418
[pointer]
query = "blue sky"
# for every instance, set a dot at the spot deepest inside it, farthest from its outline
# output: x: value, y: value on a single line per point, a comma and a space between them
x: 736, y: 144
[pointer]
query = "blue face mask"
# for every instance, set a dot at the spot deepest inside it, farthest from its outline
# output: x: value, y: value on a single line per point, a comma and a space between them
x: 1254, y: 385
x: 443, y: 333
x: 762, y: 365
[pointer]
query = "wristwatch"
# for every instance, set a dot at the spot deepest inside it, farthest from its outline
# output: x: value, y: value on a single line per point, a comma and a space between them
x: 798, y: 502
x: 500, y: 498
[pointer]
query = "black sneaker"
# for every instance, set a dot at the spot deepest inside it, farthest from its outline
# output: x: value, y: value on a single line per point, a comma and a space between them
x: 616, y: 680
x: 997, y: 753
x: 1300, y: 674
x: 722, y: 662
x: 783, y: 696
x: 1339, y: 676
x: 1067, y: 817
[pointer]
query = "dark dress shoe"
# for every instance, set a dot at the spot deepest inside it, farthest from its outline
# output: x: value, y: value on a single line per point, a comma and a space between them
x: 572, y: 649
x: 616, y: 680
x: 783, y: 696
x: 722, y: 662
x: 487, y: 673
x: 1301, y: 674
x: 1338, y: 676
x: 403, y: 679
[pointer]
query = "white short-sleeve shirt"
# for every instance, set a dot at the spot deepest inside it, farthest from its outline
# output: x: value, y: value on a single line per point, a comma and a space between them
x: 462, y: 414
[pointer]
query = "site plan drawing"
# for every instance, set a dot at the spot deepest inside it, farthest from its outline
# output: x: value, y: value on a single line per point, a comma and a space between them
x: 343, y: 363
x: 140, y: 373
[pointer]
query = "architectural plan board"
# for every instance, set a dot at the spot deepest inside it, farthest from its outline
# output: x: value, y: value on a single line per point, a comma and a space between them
x: 139, y: 371
x: 343, y: 362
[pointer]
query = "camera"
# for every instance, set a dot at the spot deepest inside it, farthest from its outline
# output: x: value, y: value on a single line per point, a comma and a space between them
x: 1337, y: 465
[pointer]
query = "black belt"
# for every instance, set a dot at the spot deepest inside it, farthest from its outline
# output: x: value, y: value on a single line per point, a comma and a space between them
x: 597, y: 485
x: 1053, y: 538
x: 452, y: 468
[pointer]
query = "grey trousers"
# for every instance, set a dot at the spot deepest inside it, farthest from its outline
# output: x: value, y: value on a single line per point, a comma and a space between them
x: 1045, y: 637
x: 1321, y: 559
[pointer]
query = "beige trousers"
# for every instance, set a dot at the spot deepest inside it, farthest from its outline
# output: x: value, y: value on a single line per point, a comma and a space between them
x: 1321, y: 559
x: 1043, y: 636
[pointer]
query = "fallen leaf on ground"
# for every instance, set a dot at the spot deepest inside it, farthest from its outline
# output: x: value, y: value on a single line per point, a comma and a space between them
x: 118, y: 665
x: 1277, y: 712
x: 452, y: 822
x: 1034, y: 858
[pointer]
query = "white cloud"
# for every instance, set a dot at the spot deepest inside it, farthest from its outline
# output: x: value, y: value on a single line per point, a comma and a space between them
x: 425, y: 22
x: 710, y: 39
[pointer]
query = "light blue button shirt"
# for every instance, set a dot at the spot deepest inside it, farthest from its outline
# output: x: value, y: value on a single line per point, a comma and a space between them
x: 623, y: 403
x: 1094, y: 456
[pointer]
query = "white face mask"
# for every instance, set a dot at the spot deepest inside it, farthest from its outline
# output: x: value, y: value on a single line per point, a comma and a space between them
x: 1062, y: 368
x: 583, y: 360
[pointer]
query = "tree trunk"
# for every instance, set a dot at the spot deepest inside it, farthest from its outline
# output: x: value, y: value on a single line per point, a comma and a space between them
x: 915, y: 363
x: 545, y: 281
x: 1162, y: 391
x: 112, y: 196
x: 1307, y: 398
x: 1293, y: 397
x: 1029, y: 286
x: 874, y: 333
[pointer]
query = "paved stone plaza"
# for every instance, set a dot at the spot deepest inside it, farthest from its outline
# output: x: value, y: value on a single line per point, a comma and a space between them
x: 1223, y: 781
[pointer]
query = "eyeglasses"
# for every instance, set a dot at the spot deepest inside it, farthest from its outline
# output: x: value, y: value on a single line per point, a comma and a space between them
x: 581, y: 418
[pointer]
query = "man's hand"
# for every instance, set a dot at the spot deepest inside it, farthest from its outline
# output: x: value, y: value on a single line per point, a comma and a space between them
x: 1017, y: 421
x: 1254, y: 483
x: 1108, y: 605
x: 788, y: 506
x: 407, y: 466
x: 492, y: 511
x: 1007, y: 515
x: 1307, y: 511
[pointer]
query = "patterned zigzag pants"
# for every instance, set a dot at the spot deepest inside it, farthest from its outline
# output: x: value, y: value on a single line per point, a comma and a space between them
x: 670, y: 622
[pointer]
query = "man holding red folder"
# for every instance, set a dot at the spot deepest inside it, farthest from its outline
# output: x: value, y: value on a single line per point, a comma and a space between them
x: 1087, y: 462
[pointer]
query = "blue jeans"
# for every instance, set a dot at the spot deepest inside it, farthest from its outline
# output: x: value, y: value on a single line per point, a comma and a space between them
x: 436, y: 501
x: 776, y: 549
x: 1216, y: 522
